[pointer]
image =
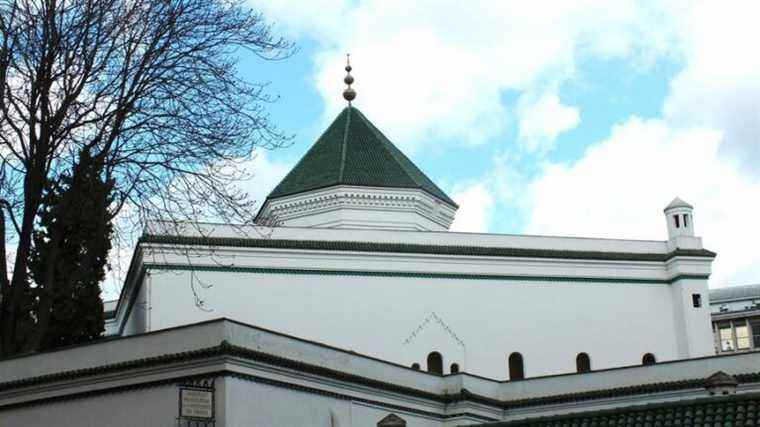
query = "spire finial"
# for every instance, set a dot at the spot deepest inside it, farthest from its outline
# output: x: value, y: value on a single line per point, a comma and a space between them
x: 349, y: 94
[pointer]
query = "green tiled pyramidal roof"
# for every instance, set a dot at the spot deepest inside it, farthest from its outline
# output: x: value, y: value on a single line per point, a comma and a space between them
x: 732, y: 410
x: 352, y: 151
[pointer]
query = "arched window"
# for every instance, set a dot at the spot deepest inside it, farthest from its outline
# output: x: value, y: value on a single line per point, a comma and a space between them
x: 392, y: 420
x: 435, y: 363
x: 582, y: 362
x: 516, y: 371
x: 454, y: 368
x: 648, y: 359
x: 415, y: 365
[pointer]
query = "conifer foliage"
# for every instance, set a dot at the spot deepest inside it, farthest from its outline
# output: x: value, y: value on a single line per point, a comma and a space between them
x: 69, y: 257
x: 151, y: 89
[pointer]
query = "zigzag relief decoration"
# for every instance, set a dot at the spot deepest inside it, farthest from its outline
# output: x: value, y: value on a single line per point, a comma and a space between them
x: 439, y: 321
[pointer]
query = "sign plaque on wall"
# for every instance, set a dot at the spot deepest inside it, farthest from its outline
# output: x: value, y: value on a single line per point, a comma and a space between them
x: 196, y: 403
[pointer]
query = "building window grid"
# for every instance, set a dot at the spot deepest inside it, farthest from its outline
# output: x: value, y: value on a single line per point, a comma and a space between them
x: 729, y: 340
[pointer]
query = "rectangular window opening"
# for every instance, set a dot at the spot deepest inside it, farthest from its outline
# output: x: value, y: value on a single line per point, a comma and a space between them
x: 755, y: 326
x: 678, y: 221
x: 686, y: 220
x: 742, y: 337
x: 696, y: 300
x: 726, y: 338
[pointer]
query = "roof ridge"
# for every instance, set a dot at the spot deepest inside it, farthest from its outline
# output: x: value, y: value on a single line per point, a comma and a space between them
x: 305, y: 156
x: 344, y: 144
x: 381, y: 136
x: 402, y: 159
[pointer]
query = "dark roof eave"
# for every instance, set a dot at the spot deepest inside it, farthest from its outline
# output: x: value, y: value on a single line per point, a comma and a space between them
x: 422, y: 248
x: 227, y: 349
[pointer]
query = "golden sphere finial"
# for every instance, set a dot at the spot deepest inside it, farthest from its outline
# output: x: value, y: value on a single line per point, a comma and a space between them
x: 349, y: 94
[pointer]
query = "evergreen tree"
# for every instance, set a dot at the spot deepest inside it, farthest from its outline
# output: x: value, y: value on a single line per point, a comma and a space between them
x: 69, y: 257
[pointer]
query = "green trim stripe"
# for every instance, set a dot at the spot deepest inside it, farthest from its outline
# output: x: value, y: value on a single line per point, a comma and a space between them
x: 420, y: 275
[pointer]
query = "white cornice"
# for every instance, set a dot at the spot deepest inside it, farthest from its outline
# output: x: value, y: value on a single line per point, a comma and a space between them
x: 525, y: 267
x: 360, y: 207
x: 449, y: 238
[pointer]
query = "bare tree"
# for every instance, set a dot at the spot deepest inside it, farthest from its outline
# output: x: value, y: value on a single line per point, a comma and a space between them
x: 149, y: 88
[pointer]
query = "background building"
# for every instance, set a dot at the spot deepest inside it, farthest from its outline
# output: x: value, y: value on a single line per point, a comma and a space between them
x: 736, y: 318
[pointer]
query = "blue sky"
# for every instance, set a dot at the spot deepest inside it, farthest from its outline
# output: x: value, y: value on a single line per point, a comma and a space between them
x: 570, y: 118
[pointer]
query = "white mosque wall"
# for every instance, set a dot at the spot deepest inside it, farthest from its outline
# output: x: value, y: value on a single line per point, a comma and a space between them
x: 142, y: 407
x: 263, y: 391
x: 474, y: 310
x: 549, y: 322
x: 137, y: 317
x: 238, y: 403
x: 253, y: 404
x: 697, y: 323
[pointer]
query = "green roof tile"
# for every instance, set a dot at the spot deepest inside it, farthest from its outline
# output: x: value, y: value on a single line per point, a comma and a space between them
x: 731, y: 410
x: 352, y: 151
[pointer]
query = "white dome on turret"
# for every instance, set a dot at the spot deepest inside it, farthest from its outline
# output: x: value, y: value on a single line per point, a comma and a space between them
x: 678, y: 203
x: 680, y: 219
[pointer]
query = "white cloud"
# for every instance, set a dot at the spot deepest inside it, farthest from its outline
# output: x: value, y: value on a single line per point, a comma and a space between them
x: 720, y: 84
x: 437, y: 69
x: 301, y: 18
x: 619, y: 188
x: 475, y: 207
x: 542, y: 119
x: 428, y: 71
x: 265, y: 175
x: 710, y: 127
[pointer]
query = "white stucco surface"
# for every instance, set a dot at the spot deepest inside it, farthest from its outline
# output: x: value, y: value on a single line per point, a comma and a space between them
x: 548, y: 322
x: 150, y: 407
x: 475, y: 310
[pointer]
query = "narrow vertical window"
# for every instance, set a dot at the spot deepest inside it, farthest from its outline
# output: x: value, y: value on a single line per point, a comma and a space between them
x: 755, y: 326
x: 696, y: 300
x: 435, y: 363
x: 677, y: 220
x: 726, y: 338
x: 686, y: 220
x: 742, y: 336
x: 454, y: 368
x: 516, y: 370
x: 648, y: 359
x: 583, y: 362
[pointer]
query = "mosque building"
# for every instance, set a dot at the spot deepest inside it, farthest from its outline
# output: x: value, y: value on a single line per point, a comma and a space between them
x: 350, y: 303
